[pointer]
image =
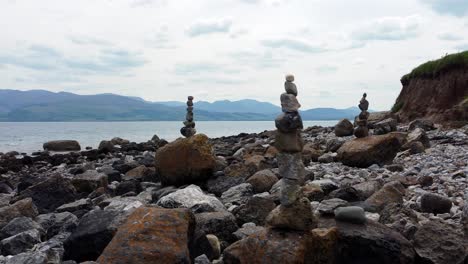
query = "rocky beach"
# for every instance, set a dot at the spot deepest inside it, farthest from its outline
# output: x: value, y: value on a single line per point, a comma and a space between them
x: 378, y: 191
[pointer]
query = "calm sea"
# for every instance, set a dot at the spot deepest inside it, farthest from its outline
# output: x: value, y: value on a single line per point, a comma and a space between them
x: 29, y: 136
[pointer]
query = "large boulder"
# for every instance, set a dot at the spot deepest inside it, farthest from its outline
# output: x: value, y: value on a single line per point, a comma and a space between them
x: 439, y: 243
x: 270, y: 246
x: 51, y: 193
x: 152, y: 235
x: 364, y: 152
x: 95, y: 230
x: 191, y: 197
x: 371, y: 243
x: 344, y: 128
x: 62, y: 145
x: 185, y: 161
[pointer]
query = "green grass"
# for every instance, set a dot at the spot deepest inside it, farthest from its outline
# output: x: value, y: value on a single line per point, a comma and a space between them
x: 432, y: 69
x: 397, y: 106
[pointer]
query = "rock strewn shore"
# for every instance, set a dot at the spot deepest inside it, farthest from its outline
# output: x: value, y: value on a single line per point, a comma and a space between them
x: 69, y: 206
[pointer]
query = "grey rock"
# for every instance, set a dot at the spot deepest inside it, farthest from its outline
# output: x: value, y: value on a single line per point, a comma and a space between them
x: 246, y: 230
x: 21, y: 242
x: 291, y: 166
x: 424, y: 124
x: 98, y: 226
x: 28, y: 258
x: 189, y: 197
x: 326, y: 185
x: 82, y: 204
x: 105, y: 146
x: 385, y: 126
x: 254, y: 211
x: 221, y: 224
x: 327, y: 158
x: 18, y: 225
x: 89, y: 181
x: 327, y: 207
x: 352, y: 214
x: 237, y: 195
x: 203, y: 259
x: 55, y: 223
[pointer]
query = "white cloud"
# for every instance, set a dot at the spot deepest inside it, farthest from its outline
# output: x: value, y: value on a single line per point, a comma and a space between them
x: 204, y: 27
x: 390, y: 28
x: 230, y: 49
x: 449, y: 36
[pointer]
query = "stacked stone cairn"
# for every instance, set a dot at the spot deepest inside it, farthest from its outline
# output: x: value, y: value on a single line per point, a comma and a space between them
x: 362, y: 130
x: 294, y: 211
x: 189, y: 125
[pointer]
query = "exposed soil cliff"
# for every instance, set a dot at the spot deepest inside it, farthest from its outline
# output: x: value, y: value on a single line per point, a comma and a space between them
x: 436, y: 90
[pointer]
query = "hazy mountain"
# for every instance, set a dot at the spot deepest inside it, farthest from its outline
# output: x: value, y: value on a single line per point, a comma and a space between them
x: 40, y: 105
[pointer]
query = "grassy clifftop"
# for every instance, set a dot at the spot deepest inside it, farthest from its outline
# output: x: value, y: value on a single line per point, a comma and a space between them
x: 434, y: 68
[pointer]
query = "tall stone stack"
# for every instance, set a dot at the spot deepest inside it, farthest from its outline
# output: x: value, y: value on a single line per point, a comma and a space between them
x: 294, y: 212
x: 362, y: 130
x: 189, y: 125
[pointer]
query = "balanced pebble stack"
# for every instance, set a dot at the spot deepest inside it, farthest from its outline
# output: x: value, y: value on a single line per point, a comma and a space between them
x: 294, y: 212
x: 189, y: 125
x: 361, y: 129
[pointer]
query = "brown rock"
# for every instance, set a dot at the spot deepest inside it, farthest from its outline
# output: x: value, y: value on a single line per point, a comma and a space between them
x: 141, y: 173
x: 391, y: 192
x: 89, y: 181
x: 313, y: 192
x: 270, y: 246
x: 262, y: 181
x: 299, y: 216
x: 152, y: 235
x: 23, y: 207
x: 363, y: 152
x: 62, y: 145
x: 185, y: 161
x: 310, y: 153
x: 344, y: 128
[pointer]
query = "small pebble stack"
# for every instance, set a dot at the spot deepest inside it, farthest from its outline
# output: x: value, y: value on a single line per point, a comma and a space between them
x: 362, y: 130
x: 290, y: 144
x: 189, y: 125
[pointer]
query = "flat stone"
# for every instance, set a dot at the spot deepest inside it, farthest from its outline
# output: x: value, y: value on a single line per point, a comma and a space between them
x: 289, y: 122
x: 289, y: 103
x: 327, y: 207
x: 352, y: 214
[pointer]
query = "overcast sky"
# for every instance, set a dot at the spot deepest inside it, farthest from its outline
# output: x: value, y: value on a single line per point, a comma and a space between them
x: 226, y: 49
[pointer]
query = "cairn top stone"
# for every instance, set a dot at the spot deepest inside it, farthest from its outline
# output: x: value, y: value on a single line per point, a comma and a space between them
x: 289, y: 78
x: 190, y: 98
x: 364, y: 104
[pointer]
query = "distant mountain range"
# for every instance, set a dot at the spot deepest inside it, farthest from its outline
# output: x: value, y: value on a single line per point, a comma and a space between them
x: 40, y: 105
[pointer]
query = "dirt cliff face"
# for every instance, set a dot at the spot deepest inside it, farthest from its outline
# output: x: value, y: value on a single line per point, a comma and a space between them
x: 442, y: 99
